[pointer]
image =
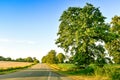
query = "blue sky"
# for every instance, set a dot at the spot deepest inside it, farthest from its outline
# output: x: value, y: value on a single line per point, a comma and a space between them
x: 29, y: 27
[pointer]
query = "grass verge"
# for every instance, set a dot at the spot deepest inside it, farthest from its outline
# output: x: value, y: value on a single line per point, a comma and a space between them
x: 108, y: 72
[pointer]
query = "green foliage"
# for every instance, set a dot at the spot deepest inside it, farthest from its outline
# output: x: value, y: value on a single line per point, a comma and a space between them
x: 114, y: 50
x: 8, y: 59
x: 2, y: 58
x: 66, y: 67
x: 71, y: 60
x: 20, y: 60
x: 111, y: 71
x: 102, y: 60
x: 5, y: 59
x: 50, y: 57
x: 114, y: 46
x: 91, y: 68
x: 108, y: 72
x: 44, y: 59
x: 80, y: 29
x: 61, y: 57
x: 35, y: 60
x: 63, y: 67
x: 115, y: 24
x: 29, y: 59
x: 116, y: 74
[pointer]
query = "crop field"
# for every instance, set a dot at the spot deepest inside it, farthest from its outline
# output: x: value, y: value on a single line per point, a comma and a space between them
x: 9, y: 64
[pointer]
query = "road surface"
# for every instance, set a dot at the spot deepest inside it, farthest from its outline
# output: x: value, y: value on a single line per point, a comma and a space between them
x: 37, y: 72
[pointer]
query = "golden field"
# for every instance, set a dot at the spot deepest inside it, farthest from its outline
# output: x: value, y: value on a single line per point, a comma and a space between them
x: 9, y: 64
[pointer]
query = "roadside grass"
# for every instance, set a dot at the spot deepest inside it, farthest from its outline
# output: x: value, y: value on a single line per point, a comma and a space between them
x: 92, y: 72
x: 5, y: 70
x: 64, y: 67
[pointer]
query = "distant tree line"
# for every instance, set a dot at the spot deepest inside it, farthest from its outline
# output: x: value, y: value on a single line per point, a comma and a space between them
x: 28, y: 59
x: 5, y: 59
x: 52, y: 57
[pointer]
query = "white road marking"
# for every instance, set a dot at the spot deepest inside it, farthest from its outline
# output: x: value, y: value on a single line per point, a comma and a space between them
x: 49, y: 76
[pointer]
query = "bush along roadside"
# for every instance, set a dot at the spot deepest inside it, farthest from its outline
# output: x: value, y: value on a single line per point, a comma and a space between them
x: 14, y: 69
x: 116, y: 74
x: 107, y: 72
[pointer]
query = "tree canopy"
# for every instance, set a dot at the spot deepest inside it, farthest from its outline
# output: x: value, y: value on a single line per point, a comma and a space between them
x: 114, y: 46
x: 60, y: 57
x: 50, y: 57
x: 79, y: 31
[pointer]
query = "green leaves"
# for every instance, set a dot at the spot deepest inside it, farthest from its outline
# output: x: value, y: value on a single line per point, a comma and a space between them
x: 116, y: 24
x: 80, y: 29
x: 51, y: 57
x: 114, y: 50
x: 114, y: 45
x: 61, y: 57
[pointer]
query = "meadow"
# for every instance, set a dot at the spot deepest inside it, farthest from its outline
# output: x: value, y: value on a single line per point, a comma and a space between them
x: 92, y: 72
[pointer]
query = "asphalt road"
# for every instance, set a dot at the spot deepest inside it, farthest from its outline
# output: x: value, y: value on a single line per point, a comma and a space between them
x: 36, y: 72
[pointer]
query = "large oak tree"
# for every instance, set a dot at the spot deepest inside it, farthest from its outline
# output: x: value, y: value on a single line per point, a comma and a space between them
x: 79, y: 31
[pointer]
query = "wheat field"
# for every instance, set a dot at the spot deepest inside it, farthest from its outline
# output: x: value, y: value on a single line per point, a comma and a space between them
x: 9, y: 64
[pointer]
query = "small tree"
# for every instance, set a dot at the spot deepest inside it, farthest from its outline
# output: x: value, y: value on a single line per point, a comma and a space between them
x: 2, y: 58
x: 35, y: 60
x: 51, y: 57
x: 114, y: 46
x: 61, y: 57
x: 8, y: 59
x: 29, y: 59
x: 20, y: 60
x: 44, y: 59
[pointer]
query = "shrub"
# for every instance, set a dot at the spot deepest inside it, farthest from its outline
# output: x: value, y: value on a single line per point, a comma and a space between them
x: 90, y: 69
x: 116, y: 74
